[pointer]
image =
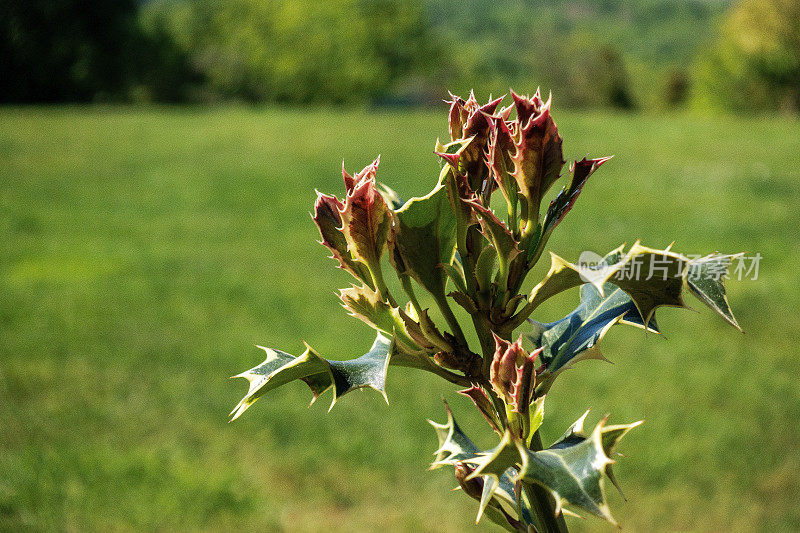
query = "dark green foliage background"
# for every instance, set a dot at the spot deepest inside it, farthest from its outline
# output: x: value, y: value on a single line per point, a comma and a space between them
x: 145, y: 252
x: 634, y: 54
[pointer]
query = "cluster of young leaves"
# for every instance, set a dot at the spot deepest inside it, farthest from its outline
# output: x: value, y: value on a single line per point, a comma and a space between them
x: 573, y: 469
x: 452, y: 245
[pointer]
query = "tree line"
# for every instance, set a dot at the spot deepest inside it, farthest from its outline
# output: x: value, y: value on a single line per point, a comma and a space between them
x: 591, y: 53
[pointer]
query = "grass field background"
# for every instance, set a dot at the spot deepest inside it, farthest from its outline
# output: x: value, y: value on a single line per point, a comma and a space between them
x: 145, y: 252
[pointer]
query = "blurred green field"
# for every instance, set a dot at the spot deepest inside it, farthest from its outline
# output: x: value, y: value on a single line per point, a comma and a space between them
x: 144, y: 253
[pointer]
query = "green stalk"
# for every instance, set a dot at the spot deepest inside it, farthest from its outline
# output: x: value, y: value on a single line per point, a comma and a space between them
x: 452, y: 377
x: 380, y: 285
x: 484, y: 332
x: 498, y: 403
x: 536, y: 298
x: 512, y: 222
x: 452, y: 321
x: 408, y: 288
x: 502, y: 277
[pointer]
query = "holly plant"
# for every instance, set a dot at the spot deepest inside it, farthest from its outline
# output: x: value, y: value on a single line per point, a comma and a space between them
x: 450, y: 248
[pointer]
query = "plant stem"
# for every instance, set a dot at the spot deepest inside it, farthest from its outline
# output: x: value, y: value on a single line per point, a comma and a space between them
x: 540, y: 293
x: 513, y: 224
x: 405, y: 280
x: 380, y: 284
x: 452, y: 377
x: 452, y: 321
x: 484, y: 332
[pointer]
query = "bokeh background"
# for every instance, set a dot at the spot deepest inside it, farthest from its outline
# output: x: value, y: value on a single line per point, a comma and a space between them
x: 158, y: 161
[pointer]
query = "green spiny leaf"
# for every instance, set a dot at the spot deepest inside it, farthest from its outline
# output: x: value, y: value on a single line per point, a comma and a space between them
x: 432, y: 333
x: 320, y: 374
x: 494, y: 466
x: 369, y: 370
x: 652, y: 278
x: 575, y: 337
x: 455, y: 447
x: 536, y: 417
x: 367, y: 305
x: 464, y: 301
x: 573, y: 468
x: 565, y: 199
x: 425, y: 238
x: 704, y: 278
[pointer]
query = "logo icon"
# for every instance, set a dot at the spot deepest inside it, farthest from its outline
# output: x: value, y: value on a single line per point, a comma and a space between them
x: 593, y: 269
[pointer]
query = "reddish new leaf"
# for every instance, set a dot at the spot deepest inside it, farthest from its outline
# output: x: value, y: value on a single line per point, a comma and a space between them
x: 537, y: 156
x: 329, y: 222
x: 366, y: 220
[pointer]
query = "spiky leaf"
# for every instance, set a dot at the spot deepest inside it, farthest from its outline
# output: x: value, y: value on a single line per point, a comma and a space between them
x: 455, y: 447
x: 474, y: 122
x: 575, y: 337
x: 565, y: 199
x: 425, y: 238
x: 327, y: 217
x: 652, y: 278
x: 459, y: 194
x: 280, y: 368
x: 500, y: 164
x: 484, y: 405
x: 573, y: 468
x: 367, y: 305
x: 704, y: 279
x: 501, y: 238
x: 366, y: 222
x: 495, y: 467
x: 537, y: 156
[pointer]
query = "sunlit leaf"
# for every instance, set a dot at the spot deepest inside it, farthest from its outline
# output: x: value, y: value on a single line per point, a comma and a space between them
x: 366, y: 221
x: 425, y: 238
x: 537, y: 156
x: 574, y: 468
x: 576, y: 336
x: 455, y: 447
x: 280, y: 368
